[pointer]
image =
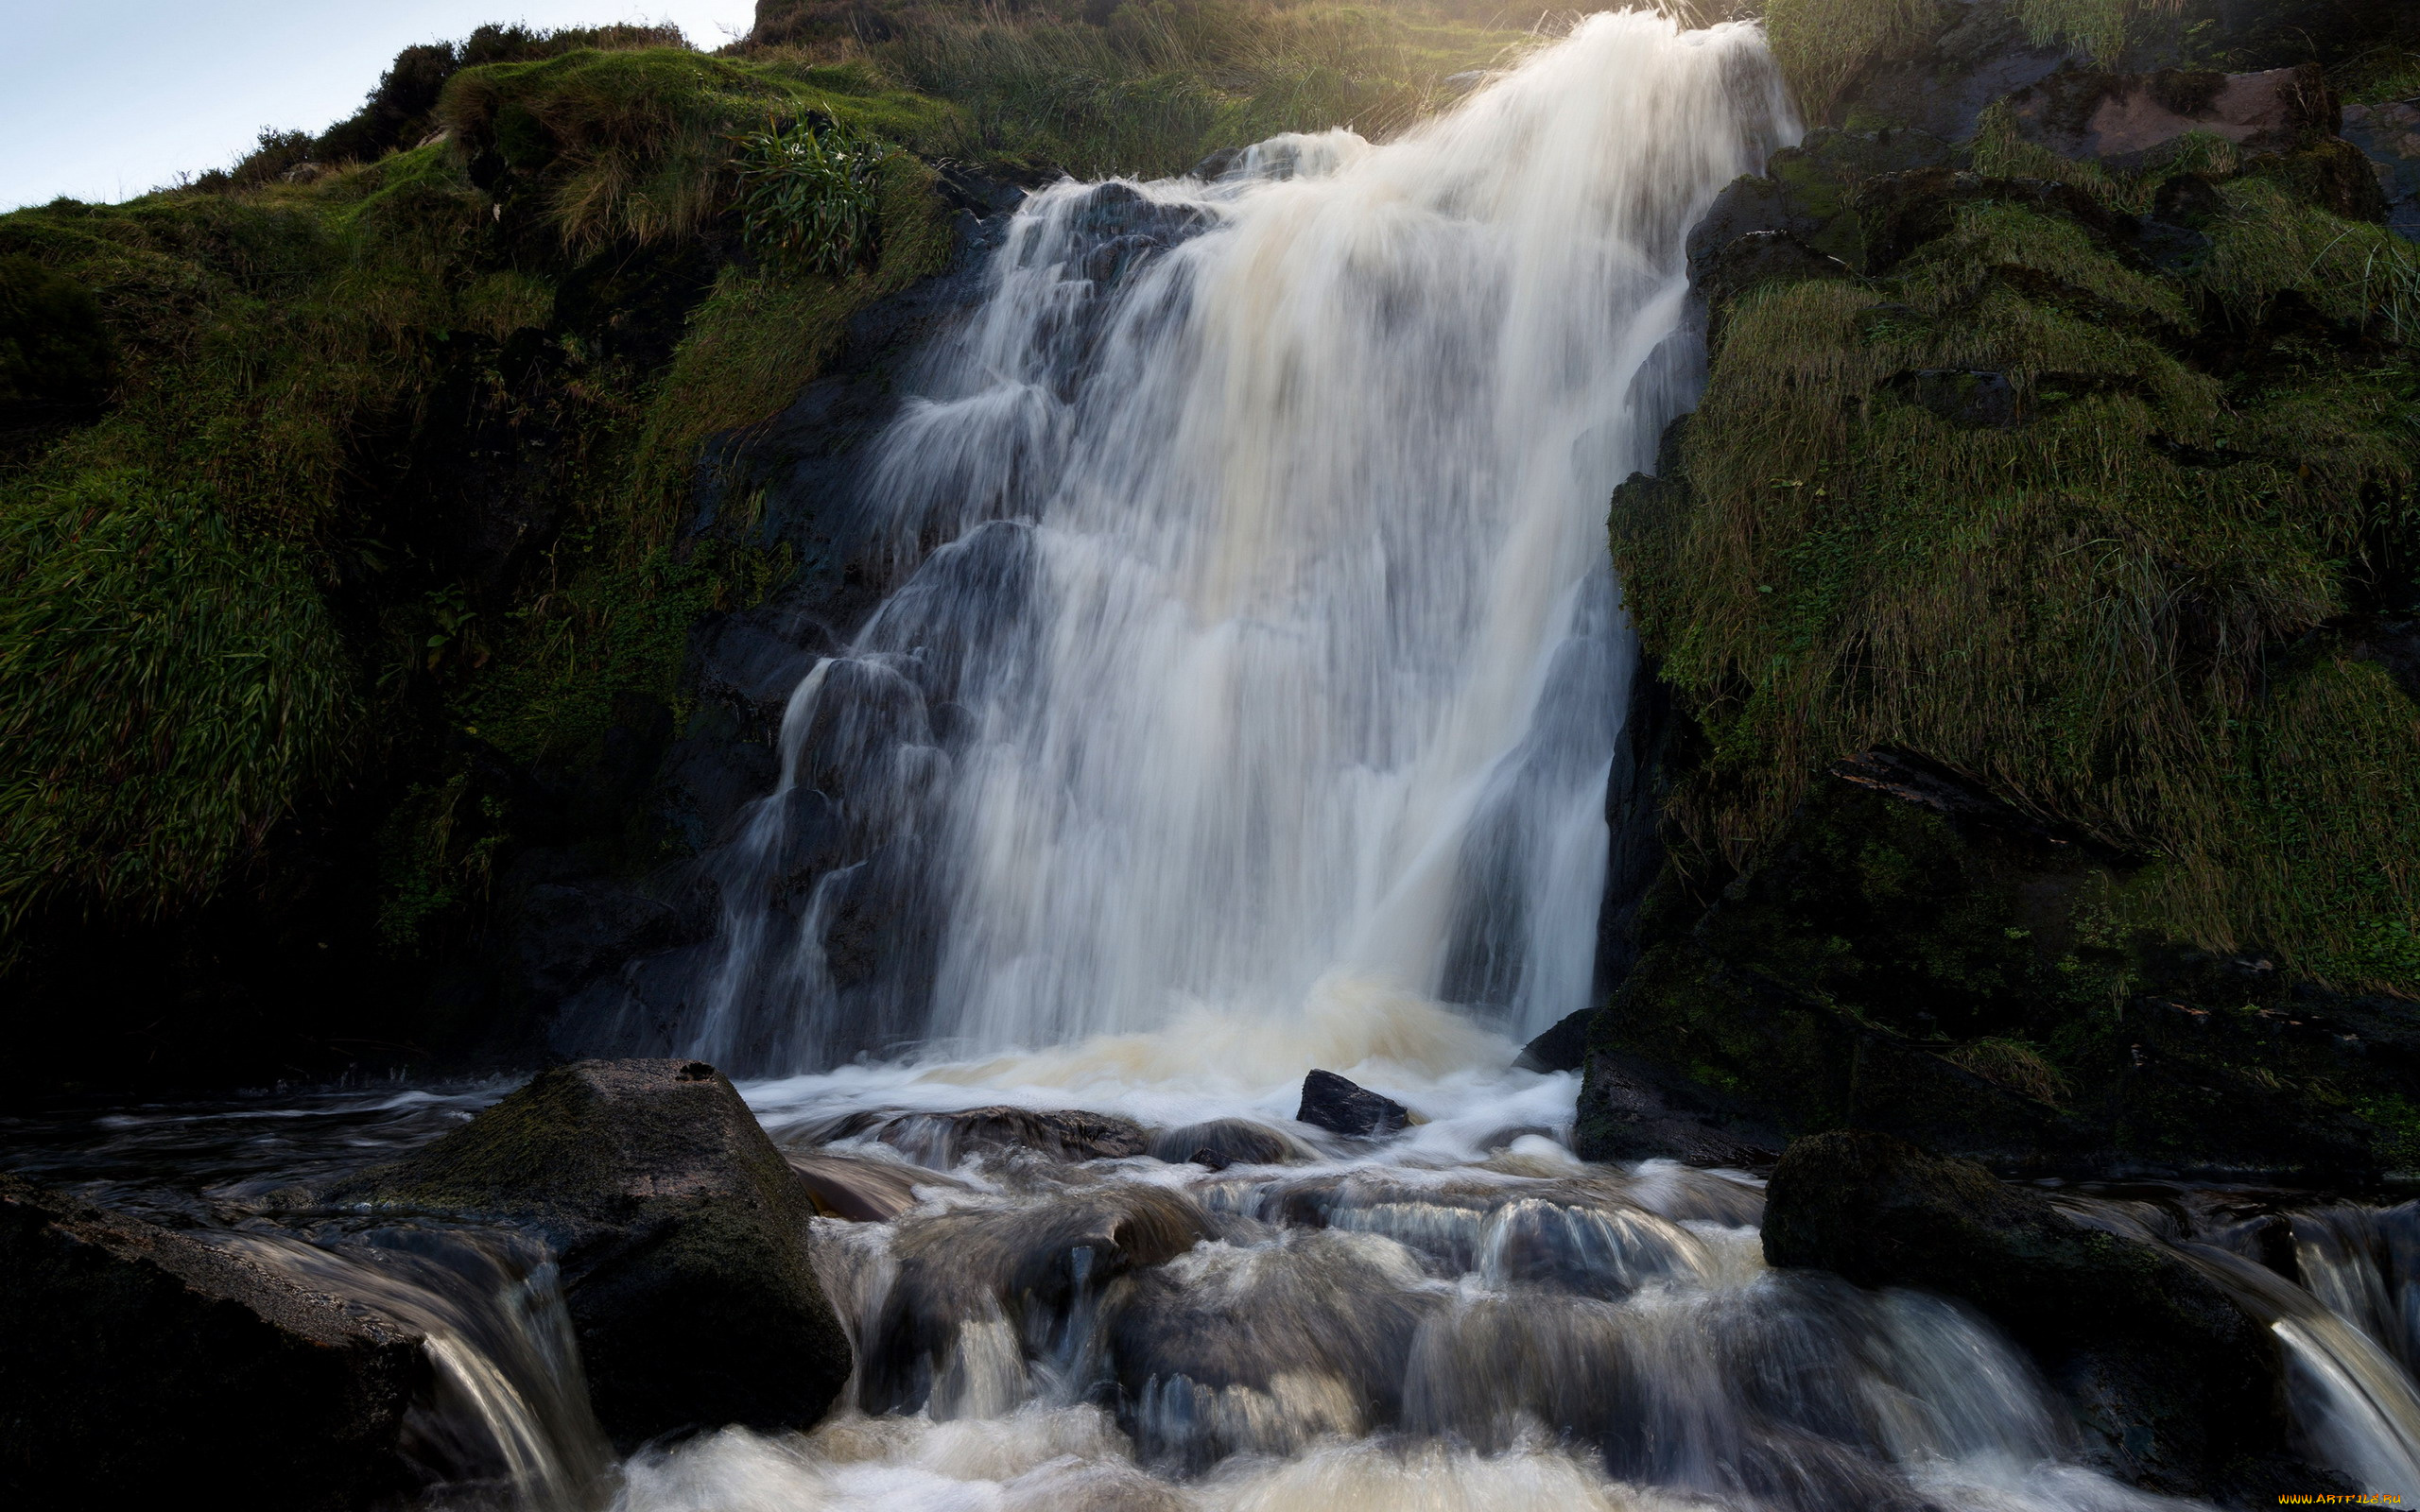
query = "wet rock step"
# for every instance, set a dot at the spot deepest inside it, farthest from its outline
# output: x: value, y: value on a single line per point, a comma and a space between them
x: 141, y: 1362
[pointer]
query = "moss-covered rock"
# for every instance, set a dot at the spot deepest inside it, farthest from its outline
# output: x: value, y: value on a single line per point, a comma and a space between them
x: 2179, y: 1388
x: 681, y: 1231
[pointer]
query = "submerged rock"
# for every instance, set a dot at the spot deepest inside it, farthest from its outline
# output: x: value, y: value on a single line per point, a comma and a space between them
x: 681, y: 1234
x: 1341, y: 1106
x: 143, y: 1362
x: 2184, y: 1388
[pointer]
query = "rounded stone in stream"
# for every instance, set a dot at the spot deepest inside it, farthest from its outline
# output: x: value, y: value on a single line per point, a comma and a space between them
x: 679, y: 1228
x: 942, y: 1139
x: 2184, y: 1386
x: 1341, y: 1106
x: 142, y: 1365
x: 1225, y: 1142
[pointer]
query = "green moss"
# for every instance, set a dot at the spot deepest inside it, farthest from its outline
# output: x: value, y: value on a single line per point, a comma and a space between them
x: 436, y: 852
x: 763, y: 333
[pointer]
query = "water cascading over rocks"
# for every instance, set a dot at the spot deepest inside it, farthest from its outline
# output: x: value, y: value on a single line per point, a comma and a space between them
x: 1265, y: 662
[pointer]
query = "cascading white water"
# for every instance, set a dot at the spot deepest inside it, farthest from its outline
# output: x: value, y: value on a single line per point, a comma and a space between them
x: 1275, y: 621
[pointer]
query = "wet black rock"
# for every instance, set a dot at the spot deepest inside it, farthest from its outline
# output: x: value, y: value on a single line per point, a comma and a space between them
x: 679, y: 1228
x: 1340, y: 1106
x: 1225, y: 1142
x: 142, y: 1364
x: 567, y: 935
x: 1761, y: 257
x: 1217, y: 165
x: 2389, y: 136
x: 2183, y: 1388
x: 1561, y: 1048
x: 1316, y: 1327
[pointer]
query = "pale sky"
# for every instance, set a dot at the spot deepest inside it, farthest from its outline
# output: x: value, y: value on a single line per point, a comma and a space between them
x: 104, y: 99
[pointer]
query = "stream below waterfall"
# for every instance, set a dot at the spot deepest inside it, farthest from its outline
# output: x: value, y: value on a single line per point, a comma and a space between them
x: 1246, y: 705
x: 1462, y: 1316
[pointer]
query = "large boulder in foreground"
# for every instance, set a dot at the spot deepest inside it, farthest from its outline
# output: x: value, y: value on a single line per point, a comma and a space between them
x: 680, y: 1232
x: 141, y: 1364
x: 2184, y: 1388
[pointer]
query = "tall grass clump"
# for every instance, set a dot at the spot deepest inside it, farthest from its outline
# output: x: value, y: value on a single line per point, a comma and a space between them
x: 809, y: 194
x: 1822, y: 45
x: 168, y: 691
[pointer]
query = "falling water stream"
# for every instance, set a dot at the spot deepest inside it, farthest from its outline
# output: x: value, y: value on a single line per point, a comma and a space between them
x: 1269, y: 666
x: 1246, y: 707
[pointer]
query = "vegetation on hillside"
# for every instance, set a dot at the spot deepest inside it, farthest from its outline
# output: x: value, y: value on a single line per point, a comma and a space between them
x: 2110, y: 520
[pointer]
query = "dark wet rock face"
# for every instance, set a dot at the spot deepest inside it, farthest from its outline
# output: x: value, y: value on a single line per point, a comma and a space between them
x: 681, y: 1234
x: 1905, y: 957
x: 140, y: 1363
x: 1340, y: 1106
x: 1639, y: 1110
x: 2184, y: 1388
x: 2388, y: 137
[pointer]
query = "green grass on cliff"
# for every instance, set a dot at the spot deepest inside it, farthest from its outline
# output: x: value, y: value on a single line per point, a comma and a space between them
x: 2116, y: 611
x: 287, y: 356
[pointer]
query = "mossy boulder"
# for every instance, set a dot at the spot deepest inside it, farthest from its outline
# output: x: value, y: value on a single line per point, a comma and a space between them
x: 142, y: 1363
x: 2182, y: 1388
x: 680, y: 1232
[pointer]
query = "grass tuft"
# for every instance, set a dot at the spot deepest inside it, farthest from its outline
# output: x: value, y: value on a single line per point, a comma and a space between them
x: 810, y: 194
x: 167, y: 692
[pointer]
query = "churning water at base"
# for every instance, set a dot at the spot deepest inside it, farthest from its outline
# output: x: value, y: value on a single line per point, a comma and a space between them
x: 1271, y: 652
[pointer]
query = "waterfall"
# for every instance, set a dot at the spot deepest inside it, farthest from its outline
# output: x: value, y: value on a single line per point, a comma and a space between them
x: 1269, y: 666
